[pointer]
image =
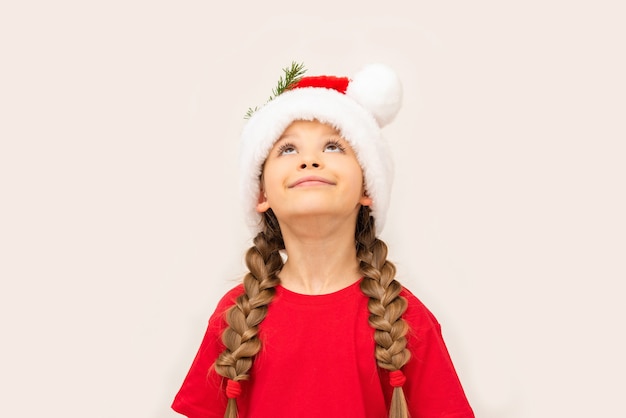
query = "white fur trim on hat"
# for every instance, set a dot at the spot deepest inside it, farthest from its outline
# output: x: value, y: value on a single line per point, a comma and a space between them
x: 372, y: 100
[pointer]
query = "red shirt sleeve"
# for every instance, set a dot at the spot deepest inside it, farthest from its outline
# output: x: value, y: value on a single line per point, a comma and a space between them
x: 432, y: 388
x: 201, y: 394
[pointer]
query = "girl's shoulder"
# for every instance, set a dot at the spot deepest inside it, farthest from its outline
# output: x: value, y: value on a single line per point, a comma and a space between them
x: 230, y: 297
x: 218, y: 319
x: 417, y: 313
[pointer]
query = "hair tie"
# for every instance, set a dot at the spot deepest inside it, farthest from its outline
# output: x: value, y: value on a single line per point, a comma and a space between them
x: 233, y: 389
x: 397, y: 378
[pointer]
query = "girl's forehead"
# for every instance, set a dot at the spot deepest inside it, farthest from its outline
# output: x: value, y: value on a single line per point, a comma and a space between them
x: 310, y: 125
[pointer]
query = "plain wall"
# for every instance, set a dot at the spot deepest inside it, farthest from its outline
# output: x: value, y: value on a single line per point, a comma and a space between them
x: 120, y: 224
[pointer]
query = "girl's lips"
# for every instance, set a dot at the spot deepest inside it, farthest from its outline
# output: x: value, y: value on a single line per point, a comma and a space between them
x: 311, y: 181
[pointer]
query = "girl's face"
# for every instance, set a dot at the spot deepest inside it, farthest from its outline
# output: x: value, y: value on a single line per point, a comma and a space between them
x: 312, y: 170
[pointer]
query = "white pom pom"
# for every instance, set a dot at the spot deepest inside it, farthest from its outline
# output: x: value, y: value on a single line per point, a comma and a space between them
x: 378, y: 89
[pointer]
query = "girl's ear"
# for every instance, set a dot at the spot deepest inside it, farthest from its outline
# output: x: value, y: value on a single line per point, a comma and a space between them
x: 365, y: 200
x: 262, y: 203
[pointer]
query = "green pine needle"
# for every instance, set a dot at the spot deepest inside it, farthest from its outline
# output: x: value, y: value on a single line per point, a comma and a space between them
x: 250, y: 112
x: 292, y: 75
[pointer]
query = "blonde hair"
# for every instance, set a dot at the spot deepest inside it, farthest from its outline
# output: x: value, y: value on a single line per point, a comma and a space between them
x: 264, y: 262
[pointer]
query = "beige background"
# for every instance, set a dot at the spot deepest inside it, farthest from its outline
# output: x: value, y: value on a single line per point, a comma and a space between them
x: 119, y: 219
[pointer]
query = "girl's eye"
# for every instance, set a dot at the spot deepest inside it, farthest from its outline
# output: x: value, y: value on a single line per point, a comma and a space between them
x: 286, y: 149
x: 334, y: 146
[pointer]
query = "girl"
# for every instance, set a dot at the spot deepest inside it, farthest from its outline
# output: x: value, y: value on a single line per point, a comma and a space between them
x: 320, y: 327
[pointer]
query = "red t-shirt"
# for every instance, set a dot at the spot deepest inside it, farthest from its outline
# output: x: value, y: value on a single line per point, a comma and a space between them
x: 317, y: 360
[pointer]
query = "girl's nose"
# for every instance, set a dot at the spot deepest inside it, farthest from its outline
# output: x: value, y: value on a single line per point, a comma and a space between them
x: 309, y: 159
x: 312, y: 165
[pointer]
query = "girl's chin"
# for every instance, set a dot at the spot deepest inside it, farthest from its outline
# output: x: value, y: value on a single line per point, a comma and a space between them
x: 314, y: 212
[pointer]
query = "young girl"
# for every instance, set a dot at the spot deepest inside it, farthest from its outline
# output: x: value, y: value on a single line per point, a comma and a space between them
x: 320, y: 327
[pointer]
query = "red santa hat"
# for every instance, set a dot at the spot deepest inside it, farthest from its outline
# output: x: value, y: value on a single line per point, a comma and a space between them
x: 357, y: 107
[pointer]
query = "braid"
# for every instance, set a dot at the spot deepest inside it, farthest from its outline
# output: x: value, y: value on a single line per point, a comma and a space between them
x: 241, y: 337
x: 386, y: 306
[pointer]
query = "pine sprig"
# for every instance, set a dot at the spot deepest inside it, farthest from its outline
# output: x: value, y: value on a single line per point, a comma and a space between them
x: 292, y: 75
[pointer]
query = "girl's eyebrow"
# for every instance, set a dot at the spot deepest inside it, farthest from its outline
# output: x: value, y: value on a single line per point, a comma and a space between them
x: 285, y: 136
x: 329, y: 135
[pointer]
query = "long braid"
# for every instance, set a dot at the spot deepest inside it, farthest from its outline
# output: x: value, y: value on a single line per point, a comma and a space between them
x: 386, y: 307
x: 241, y: 337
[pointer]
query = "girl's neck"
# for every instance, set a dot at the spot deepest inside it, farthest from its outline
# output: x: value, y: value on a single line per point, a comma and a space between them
x: 319, y: 262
